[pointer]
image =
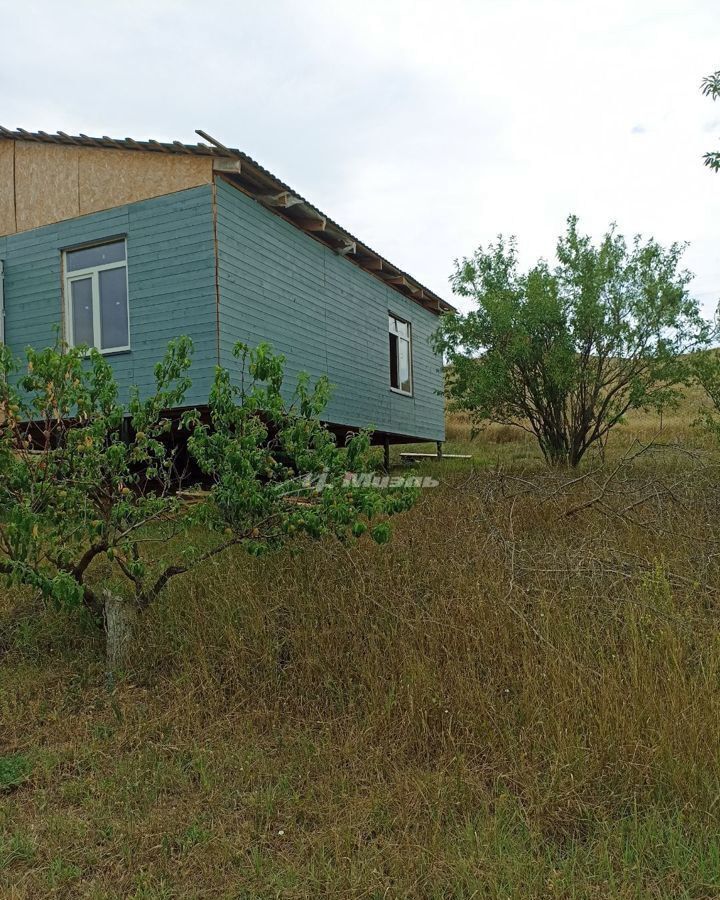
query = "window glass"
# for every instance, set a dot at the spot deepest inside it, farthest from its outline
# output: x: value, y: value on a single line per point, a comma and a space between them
x: 113, y: 308
x: 82, y: 311
x: 89, y: 257
x: 394, y: 378
x: 404, y: 366
x: 400, y: 355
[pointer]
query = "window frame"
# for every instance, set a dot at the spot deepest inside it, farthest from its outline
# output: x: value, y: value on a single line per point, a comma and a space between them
x: 93, y: 272
x: 409, y: 341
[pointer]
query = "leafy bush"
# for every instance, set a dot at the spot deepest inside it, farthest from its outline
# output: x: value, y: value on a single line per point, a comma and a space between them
x: 566, y: 352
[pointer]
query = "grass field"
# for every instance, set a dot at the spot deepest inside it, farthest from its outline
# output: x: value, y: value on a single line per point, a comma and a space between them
x: 518, y: 697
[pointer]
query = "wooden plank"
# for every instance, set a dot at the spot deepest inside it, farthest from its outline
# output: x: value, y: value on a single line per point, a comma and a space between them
x: 311, y: 224
x: 436, y: 456
x: 372, y: 264
x: 283, y: 200
x: 347, y: 247
x: 227, y: 165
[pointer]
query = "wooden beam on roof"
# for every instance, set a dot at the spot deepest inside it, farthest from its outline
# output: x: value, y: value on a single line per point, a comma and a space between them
x: 347, y: 248
x: 372, y: 263
x: 282, y: 200
x: 399, y: 281
x: 311, y: 224
x: 27, y: 135
x: 66, y: 138
x: 214, y: 141
x: 90, y: 140
x: 223, y: 164
x: 114, y: 143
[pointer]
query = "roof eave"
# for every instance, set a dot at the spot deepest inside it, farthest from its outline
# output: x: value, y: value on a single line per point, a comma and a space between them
x: 245, y: 173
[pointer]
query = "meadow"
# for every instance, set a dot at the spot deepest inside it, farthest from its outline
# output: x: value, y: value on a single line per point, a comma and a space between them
x: 517, y: 697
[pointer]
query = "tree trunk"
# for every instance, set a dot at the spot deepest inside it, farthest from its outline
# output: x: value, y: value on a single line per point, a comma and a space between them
x: 121, y: 618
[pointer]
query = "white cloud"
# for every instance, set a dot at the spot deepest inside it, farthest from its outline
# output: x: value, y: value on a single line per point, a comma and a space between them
x: 425, y: 128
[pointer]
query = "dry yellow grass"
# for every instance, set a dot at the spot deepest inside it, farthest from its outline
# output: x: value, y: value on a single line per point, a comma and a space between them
x: 518, y: 697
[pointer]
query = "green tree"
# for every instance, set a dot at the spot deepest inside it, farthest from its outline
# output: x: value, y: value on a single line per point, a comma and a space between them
x: 566, y: 352
x: 93, y: 519
x: 711, y: 88
x: 706, y: 370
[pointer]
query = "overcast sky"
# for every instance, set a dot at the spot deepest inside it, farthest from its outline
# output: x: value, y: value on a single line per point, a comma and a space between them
x: 425, y: 128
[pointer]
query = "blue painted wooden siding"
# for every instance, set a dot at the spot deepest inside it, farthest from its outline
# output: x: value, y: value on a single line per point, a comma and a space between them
x: 171, y: 282
x: 326, y: 315
x: 276, y: 284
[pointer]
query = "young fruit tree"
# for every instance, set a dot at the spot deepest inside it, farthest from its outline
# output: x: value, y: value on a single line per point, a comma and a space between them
x: 564, y: 352
x: 90, y: 515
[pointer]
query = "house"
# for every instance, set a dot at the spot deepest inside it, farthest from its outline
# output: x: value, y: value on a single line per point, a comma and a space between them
x: 126, y: 244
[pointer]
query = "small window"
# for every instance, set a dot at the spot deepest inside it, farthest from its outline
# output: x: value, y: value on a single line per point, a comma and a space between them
x: 400, y: 355
x: 96, y: 297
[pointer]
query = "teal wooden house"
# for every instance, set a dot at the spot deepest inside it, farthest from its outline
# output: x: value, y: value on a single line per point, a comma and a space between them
x: 127, y: 244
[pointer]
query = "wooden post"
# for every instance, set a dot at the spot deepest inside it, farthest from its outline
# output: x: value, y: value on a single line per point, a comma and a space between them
x: 386, y: 453
x: 439, y: 445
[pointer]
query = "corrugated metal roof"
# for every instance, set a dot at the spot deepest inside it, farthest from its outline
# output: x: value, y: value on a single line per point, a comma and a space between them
x: 269, y: 190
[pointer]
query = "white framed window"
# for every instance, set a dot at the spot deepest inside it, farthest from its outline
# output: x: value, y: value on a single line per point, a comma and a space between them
x: 96, y: 297
x: 400, y: 355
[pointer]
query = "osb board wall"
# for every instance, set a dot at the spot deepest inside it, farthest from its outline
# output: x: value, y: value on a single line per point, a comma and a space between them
x: 7, y: 190
x: 112, y: 177
x: 45, y: 183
